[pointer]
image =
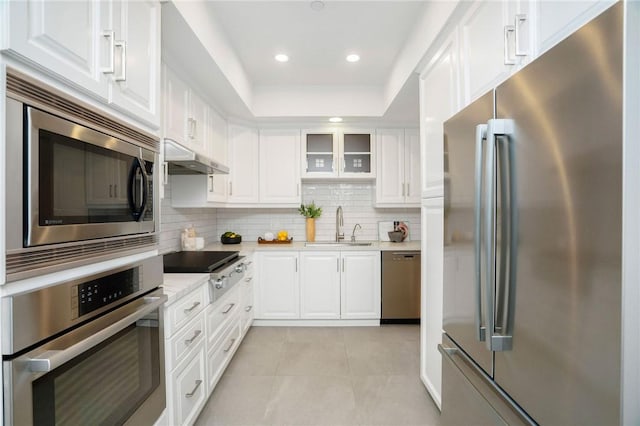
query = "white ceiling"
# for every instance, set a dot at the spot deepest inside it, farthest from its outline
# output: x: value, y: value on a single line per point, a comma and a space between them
x: 234, y: 43
x: 317, y: 42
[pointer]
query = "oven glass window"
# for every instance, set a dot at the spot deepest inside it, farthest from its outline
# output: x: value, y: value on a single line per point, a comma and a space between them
x: 83, y: 183
x: 105, y: 385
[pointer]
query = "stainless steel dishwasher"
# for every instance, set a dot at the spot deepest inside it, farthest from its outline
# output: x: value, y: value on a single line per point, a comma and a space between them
x: 400, y: 287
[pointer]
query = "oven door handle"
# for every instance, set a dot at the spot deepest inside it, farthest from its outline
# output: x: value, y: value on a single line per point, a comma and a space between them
x: 50, y: 360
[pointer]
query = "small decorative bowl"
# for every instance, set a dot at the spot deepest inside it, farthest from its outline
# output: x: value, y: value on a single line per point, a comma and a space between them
x: 231, y: 240
x: 396, y: 236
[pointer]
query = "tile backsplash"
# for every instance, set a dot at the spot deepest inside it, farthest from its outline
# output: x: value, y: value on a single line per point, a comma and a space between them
x: 356, y: 200
x: 173, y: 221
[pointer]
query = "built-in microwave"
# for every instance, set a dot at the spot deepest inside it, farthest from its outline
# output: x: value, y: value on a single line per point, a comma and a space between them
x: 80, y: 184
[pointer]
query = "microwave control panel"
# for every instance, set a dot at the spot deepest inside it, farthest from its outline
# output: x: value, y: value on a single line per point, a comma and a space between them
x: 95, y: 294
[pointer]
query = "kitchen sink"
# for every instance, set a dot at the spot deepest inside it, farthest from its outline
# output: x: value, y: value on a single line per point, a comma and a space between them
x: 337, y: 244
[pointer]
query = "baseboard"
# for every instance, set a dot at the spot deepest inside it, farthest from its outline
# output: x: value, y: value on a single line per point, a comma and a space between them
x: 316, y: 323
x: 400, y: 321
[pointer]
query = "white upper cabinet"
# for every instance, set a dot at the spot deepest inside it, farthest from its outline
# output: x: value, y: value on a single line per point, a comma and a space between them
x: 186, y: 115
x: 412, y: 168
x: 390, y: 183
x: 175, y: 108
x: 197, y: 123
x: 489, y: 52
x: 357, y: 154
x: 65, y: 37
x: 279, y: 167
x: 219, y: 151
x: 398, y: 176
x: 558, y: 19
x: 243, y: 165
x: 110, y: 50
x: 328, y: 154
x: 136, y: 76
x: 319, y: 153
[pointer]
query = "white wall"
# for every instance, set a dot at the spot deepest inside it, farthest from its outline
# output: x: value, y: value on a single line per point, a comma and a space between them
x: 356, y: 200
x: 173, y: 221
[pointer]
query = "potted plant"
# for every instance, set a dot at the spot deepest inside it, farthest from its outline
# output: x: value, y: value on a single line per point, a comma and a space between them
x: 311, y: 212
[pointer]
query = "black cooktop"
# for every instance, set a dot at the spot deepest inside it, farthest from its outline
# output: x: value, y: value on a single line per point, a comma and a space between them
x: 197, y: 261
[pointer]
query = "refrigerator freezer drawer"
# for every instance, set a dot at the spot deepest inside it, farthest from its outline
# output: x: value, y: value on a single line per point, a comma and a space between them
x: 469, y: 396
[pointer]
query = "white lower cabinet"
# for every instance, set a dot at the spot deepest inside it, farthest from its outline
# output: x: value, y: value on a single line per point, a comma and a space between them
x: 278, y: 290
x: 360, y: 285
x: 327, y: 285
x: 220, y: 315
x: 200, y: 341
x: 189, y: 388
x: 220, y: 355
x: 320, y: 285
x: 185, y: 340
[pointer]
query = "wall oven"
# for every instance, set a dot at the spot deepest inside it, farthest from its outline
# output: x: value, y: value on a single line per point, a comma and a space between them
x: 84, y: 182
x: 88, y: 351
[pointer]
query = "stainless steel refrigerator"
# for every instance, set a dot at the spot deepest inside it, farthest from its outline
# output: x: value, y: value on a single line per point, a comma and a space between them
x: 532, y: 260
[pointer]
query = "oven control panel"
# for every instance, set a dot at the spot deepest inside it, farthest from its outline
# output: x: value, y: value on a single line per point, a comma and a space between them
x: 91, y: 295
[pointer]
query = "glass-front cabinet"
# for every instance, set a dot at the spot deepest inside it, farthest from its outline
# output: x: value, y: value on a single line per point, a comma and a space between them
x: 338, y: 154
x: 320, y: 154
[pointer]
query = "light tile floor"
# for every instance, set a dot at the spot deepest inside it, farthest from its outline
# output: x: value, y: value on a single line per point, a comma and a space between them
x: 323, y: 376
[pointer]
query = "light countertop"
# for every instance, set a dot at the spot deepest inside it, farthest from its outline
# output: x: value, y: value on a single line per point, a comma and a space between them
x: 300, y: 246
x: 176, y: 286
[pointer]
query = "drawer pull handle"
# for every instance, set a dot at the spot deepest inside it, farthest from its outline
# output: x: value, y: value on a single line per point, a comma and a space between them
x: 231, y: 305
x: 193, y: 392
x: 195, y: 335
x: 195, y: 305
x: 248, y: 308
x: 231, y: 343
x: 248, y: 279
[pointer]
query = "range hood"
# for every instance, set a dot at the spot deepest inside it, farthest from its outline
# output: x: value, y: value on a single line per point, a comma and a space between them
x: 183, y: 161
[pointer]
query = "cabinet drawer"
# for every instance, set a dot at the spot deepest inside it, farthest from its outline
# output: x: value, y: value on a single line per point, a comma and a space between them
x: 222, y: 352
x: 219, y: 314
x: 185, y: 341
x: 190, y: 389
x: 185, y: 309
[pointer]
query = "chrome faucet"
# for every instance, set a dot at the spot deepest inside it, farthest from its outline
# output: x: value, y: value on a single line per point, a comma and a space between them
x: 353, y: 233
x: 339, y: 224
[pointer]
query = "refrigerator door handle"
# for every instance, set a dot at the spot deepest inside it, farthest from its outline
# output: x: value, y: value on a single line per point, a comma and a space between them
x: 495, y: 128
x: 481, y: 136
x: 502, y: 233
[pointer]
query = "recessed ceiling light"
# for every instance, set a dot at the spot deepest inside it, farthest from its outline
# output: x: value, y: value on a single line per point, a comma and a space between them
x: 281, y: 57
x: 353, y: 58
x: 335, y: 119
x: 317, y: 5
